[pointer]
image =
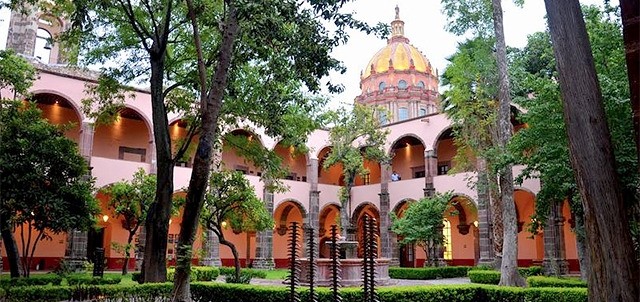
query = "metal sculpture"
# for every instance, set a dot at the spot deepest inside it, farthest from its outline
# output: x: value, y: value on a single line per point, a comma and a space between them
x: 313, y: 266
x: 370, y: 250
x: 336, y: 271
x: 294, y: 265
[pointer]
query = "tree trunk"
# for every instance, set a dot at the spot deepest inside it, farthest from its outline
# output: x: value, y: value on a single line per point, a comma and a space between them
x: 236, y: 257
x: 13, y: 256
x: 345, y: 222
x: 202, y: 162
x: 496, y: 219
x: 614, y: 272
x: 630, y: 13
x: 509, y: 275
x: 127, y: 252
x: 154, y: 265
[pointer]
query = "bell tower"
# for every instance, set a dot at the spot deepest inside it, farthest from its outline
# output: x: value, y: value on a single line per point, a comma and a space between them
x: 33, y: 33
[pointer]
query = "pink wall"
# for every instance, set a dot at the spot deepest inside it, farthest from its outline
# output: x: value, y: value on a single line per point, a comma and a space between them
x: 123, y: 133
x: 406, y: 158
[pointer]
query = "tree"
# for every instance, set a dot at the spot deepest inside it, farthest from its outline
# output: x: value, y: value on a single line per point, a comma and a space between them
x: 230, y: 201
x: 543, y: 147
x: 46, y: 187
x: 354, y: 136
x: 421, y: 224
x: 17, y: 76
x: 258, y: 56
x: 130, y: 201
x: 475, y: 17
x: 614, y: 273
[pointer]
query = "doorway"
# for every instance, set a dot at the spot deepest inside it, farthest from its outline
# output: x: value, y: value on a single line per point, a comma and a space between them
x: 95, y: 240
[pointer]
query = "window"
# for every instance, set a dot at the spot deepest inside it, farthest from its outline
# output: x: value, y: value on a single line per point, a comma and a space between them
x: 43, y: 46
x: 382, y: 117
x: 418, y: 172
x: 420, y: 84
x: 382, y: 86
x: 242, y: 169
x: 446, y: 232
x: 366, y: 179
x: 443, y: 168
x: 402, y: 84
x: 403, y: 113
x: 132, y: 154
x: 423, y: 111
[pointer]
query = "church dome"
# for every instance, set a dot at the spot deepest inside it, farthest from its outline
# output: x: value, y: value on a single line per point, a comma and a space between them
x: 398, y: 55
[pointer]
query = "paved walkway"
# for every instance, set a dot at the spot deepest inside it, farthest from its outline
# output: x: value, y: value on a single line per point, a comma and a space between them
x: 394, y: 282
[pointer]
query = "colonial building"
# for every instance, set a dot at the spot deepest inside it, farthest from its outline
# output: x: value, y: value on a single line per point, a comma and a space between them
x: 398, y: 77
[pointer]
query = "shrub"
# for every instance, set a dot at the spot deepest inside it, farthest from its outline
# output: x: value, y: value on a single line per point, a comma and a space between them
x: 484, y: 276
x: 254, y: 273
x: 540, y: 281
x: 198, y: 273
x: 428, y: 273
x: 530, y: 271
x: 136, y: 277
x: 219, y: 292
x: 244, y: 278
x: 34, y: 280
x: 90, y: 280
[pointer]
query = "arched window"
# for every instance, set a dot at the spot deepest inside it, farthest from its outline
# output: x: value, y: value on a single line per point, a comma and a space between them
x: 423, y: 111
x: 381, y: 86
x: 403, y: 113
x: 446, y: 232
x: 402, y: 84
x: 43, y: 46
x: 420, y: 84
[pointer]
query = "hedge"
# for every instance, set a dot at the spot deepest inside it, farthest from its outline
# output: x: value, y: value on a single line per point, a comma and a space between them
x: 254, y: 273
x: 540, y: 281
x: 218, y: 292
x: 90, y: 280
x: 46, y: 279
x: 428, y: 273
x: 198, y: 273
x: 484, y: 276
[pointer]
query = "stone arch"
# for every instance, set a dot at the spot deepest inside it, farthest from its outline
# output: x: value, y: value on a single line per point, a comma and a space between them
x: 324, y: 213
x: 357, y: 220
x: 465, y: 210
x: 234, y: 161
x: 332, y: 175
x: 295, y: 161
x: 402, y: 205
x: 403, y: 136
x: 408, y: 157
x: 125, y: 138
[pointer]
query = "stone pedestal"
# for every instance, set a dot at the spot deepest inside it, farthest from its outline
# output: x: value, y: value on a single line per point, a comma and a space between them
x: 76, y: 252
x: 212, y: 250
x: 351, y: 271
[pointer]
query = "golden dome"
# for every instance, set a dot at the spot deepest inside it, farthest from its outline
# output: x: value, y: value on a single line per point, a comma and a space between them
x: 398, y: 53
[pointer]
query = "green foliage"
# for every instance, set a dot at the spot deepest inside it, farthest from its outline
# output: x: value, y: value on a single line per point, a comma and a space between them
x: 48, y: 279
x: 484, y: 276
x: 243, y: 278
x: 354, y: 136
x: 421, y: 223
x: 541, y: 281
x: 428, y: 273
x: 231, y: 198
x: 543, y: 145
x: 219, y: 292
x: 45, y: 185
x: 254, y: 273
x: 130, y: 200
x: 16, y: 73
x: 471, y: 102
x: 74, y: 279
x: 198, y: 273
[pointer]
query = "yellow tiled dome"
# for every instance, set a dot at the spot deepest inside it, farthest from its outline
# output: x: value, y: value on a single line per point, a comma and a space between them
x: 400, y: 56
x: 398, y: 53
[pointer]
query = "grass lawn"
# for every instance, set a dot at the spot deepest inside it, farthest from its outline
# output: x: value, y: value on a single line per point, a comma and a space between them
x: 277, y: 274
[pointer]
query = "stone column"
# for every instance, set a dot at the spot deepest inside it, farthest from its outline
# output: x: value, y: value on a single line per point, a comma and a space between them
x: 264, y: 239
x: 76, y: 251
x: 313, y: 217
x: 153, y: 159
x: 142, y: 235
x: 388, y: 240
x: 22, y: 31
x: 211, y: 246
x: 430, y: 170
x: 555, y: 260
x: 484, y: 217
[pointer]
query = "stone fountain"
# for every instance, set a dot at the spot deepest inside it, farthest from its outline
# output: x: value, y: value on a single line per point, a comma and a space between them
x: 351, y: 267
